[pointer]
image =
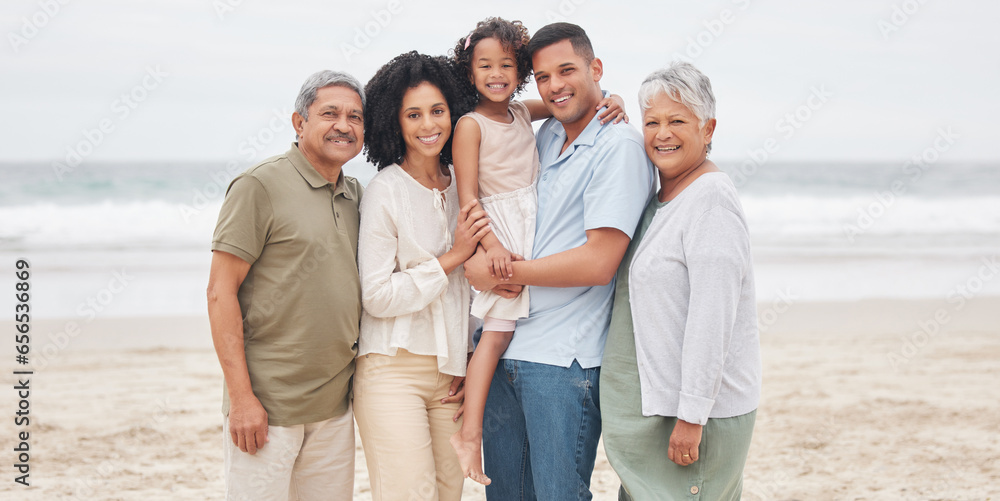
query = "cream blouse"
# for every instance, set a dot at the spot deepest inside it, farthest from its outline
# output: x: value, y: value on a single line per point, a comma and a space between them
x: 409, y: 302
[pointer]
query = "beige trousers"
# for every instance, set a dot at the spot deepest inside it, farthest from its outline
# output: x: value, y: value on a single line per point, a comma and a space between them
x: 405, y: 428
x: 300, y: 462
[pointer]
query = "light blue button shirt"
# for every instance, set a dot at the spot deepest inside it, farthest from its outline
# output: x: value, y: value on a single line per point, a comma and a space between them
x: 602, y: 180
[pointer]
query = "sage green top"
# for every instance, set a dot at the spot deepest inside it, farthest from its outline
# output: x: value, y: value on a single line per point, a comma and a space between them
x: 622, y: 344
x: 301, y: 299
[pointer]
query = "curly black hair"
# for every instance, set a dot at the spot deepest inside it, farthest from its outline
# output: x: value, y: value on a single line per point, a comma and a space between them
x: 384, y: 144
x: 513, y: 36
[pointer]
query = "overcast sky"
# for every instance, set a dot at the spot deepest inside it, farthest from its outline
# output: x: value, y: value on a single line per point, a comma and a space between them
x: 854, y: 80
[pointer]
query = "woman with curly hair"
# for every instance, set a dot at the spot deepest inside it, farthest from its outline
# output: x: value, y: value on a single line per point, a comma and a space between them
x: 414, y: 341
x: 496, y: 161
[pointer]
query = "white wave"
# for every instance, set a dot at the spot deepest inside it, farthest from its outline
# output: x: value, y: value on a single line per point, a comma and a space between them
x: 873, y: 216
x: 785, y: 221
x: 109, y: 225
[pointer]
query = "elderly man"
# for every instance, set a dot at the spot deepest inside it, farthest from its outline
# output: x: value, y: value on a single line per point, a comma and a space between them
x: 284, y: 305
x: 542, y: 420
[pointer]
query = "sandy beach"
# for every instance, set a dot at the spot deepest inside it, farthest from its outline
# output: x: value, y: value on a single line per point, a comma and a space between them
x: 858, y: 135
x: 862, y: 401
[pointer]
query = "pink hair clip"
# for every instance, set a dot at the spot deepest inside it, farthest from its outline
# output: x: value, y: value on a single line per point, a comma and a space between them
x: 467, y: 40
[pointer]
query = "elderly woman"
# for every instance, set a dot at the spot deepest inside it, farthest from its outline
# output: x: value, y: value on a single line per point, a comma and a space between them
x: 414, y: 342
x: 680, y: 380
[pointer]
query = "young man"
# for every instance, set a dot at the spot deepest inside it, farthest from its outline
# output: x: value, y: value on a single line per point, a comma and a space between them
x: 542, y: 420
x: 284, y: 301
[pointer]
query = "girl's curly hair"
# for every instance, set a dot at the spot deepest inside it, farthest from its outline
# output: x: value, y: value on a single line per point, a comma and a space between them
x: 384, y: 144
x: 513, y: 36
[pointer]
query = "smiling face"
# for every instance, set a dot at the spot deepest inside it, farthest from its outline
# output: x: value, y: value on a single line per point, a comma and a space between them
x: 494, y: 70
x: 567, y: 83
x: 673, y: 139
x: 424, y: 120
x: 334, y: 131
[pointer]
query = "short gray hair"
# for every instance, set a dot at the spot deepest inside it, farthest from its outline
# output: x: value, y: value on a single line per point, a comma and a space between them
x: 685, y: 84
x: 325, y: 78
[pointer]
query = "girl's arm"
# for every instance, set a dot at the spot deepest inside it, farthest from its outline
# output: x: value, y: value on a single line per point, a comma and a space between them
x: 465, y: 155
x: 537, y: 109
x: 614, y: 103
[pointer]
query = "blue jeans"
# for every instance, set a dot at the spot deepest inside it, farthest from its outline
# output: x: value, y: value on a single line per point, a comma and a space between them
x: 540, y: 431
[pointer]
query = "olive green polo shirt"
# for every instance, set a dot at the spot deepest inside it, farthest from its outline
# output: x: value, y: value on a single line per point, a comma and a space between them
x: 301, y: 299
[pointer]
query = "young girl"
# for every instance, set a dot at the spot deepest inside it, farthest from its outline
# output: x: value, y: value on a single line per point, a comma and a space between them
x: 414, y: 342
x: 496, y: 162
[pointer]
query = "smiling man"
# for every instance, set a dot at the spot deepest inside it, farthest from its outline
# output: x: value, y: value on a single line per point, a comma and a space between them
x: 284, y: 301
x: 542, y: 420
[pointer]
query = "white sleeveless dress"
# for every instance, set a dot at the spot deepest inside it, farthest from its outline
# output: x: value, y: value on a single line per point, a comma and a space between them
x: 508, y: 167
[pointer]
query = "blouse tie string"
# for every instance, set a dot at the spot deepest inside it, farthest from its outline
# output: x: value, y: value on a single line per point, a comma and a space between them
x: 443, y: 215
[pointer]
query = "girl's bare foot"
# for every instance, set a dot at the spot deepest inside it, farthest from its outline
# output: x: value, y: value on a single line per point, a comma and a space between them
x: 470, y: 456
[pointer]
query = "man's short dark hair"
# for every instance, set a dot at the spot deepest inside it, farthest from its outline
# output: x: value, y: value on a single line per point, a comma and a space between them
x: 557, y: 32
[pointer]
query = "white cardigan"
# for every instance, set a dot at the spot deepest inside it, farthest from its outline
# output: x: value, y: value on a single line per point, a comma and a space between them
x: 691, y: 289
x: 408, y: 300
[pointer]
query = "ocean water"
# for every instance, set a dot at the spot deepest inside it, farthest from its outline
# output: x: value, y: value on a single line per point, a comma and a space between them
x: 132, y: 239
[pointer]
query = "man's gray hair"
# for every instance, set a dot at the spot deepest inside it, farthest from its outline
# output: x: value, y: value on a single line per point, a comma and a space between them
x: 685, y: 84
x: 325, y: 78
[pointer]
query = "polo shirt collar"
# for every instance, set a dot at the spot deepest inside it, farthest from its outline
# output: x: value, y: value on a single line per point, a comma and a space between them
x: 586, y: 138
x: 589, y: 134
x: 314, y: 178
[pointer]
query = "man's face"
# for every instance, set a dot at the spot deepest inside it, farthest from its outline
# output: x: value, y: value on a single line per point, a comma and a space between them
x: 334, y: 132
x: 567, y: 82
